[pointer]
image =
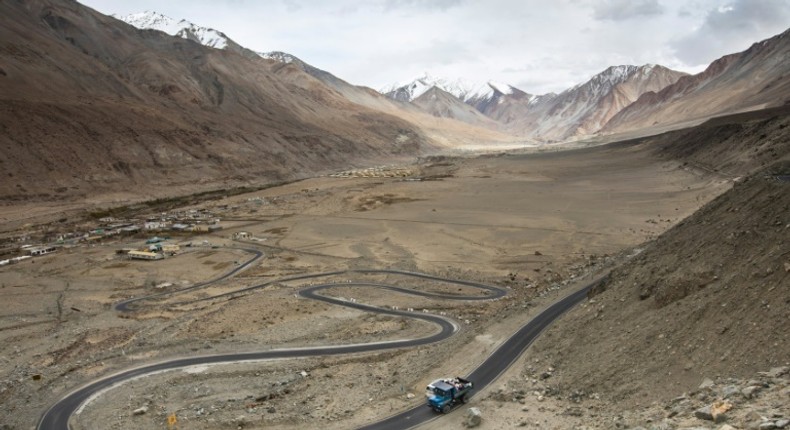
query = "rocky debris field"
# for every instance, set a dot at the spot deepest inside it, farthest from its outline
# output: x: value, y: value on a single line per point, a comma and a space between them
x: 761, y: 402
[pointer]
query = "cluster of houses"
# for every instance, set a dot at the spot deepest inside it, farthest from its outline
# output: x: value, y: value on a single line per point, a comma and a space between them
x: 194, y: 220
x: 199, y: 222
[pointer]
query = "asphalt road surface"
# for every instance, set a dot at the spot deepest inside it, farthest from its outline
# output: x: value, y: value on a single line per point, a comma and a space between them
x: 491, y: 368
x: 58, y: 415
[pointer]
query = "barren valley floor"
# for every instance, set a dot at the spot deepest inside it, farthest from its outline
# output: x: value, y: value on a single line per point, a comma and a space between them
x: 537, y: 224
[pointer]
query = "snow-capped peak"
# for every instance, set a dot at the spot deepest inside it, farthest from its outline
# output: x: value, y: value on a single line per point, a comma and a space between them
x: 424, y: 83
x: 150, y: 20
x: 460, y: 88
x: 502, y: 88
x: 603, y: 82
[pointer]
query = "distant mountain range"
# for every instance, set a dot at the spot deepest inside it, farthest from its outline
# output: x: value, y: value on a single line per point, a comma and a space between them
x: 461, y: 89
x: 580, y: 111
x: 418, y: 113
x: 92, y: 105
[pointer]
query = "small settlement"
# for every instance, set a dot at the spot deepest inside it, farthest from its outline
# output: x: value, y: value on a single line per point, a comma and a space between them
x: 156, y: 248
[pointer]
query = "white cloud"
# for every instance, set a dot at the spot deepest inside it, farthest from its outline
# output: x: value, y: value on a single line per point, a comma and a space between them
x: 732, y: 27
x: 618, y: 10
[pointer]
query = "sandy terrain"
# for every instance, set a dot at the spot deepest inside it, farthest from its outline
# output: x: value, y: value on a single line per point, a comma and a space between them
x: 538, y: 224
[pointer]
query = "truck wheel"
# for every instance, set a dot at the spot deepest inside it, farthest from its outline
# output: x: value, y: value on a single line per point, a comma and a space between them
x: 446, y: 409
x: 464, y: 399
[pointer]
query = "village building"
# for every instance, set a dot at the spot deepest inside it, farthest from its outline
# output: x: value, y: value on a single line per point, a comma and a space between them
x: 242, y: 235
x: 130, y: 229
x: 155, y: 225
x: 41, y: 250
x: 170, y: 248
x: 145, y: 255
x: 180, y: 227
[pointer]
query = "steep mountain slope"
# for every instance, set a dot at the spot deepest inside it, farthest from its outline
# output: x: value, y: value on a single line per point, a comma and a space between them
x: 707, y: 299
x: 585, y: 108
x: 150, y: 20
x: 442, y: 104
x: 91, y: 105
x: 448, y: 122
x: 753, y: 79
x: 445, y: 131
x: 499, y: 101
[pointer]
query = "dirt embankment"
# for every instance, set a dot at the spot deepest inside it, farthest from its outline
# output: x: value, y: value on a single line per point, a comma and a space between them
x: 709, y: 298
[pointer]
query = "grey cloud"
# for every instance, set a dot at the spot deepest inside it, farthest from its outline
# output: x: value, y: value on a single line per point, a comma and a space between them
x: 420, y: 4
x: 725, y: 29
x: 619, y: 10
x: 292, y: 5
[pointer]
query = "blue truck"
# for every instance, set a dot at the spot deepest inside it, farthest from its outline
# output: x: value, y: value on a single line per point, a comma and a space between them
x: 444, y: 394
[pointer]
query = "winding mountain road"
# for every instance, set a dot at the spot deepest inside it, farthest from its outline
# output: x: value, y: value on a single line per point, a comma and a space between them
x: 58, y: 415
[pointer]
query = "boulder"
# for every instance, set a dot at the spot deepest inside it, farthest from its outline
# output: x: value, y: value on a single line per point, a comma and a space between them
x: 706, y: 383
x: 751, y: 391
x: 473, y: 418
x: 714, y: 412
x: 776, y: 372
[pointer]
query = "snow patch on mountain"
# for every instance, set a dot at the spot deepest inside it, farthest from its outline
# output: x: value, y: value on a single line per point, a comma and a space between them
x: 282, y: 57
x: 603, y: 82
x: 150, y: 20
x: 502, y: 88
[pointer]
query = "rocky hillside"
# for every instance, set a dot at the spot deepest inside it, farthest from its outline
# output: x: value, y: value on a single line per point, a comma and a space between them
x: 442, y: 104
x: 710, y: 298
x: 92, y: 105
x: 750, y: 80
x: 585, y: 108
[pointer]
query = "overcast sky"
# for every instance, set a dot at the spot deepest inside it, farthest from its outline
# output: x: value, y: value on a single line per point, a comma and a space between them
x: 535, y: 45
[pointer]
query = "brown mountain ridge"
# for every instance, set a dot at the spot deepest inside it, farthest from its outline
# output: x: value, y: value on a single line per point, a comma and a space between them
x: 90, y: 104
x: 754, y: 79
